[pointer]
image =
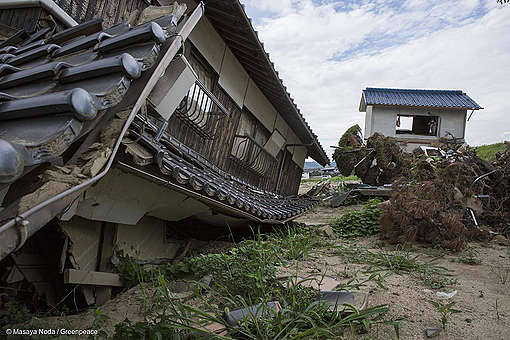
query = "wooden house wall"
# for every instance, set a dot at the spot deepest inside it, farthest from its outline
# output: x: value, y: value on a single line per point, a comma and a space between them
x: 22, y: 18
x: 111, y: 11
x: 218, y: 150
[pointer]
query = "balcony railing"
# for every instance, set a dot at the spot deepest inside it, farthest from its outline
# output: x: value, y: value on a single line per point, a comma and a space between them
x: 251, y: 154
x: 201, y: 111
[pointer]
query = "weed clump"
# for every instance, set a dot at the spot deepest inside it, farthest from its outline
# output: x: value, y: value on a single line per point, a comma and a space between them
x: 356, y: 223
x: 246, y: 276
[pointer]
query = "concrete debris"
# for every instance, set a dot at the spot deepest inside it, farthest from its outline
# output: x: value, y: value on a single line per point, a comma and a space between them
x: 444, y: 295
x: 252, y: 313
x: 318, y: 282
x: 432, y: 332
x: 342, y: 301
x: 327, y: 231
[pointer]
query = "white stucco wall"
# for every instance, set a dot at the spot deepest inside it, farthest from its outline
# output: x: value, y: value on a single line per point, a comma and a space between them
x: 383, y: 120
x: 261, y: 108
x: 237, y: 83
x: 233, y: 78
x: 368, y: 121
x: 209, y: 43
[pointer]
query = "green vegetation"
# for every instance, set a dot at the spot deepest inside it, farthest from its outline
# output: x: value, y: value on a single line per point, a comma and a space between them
x: 399, y: 261
x: 445, y: 310
x: 488, y: 152
x: 339, y: 178
x: 355, y: 223
x: 469, y: 256
x: 245, y: 276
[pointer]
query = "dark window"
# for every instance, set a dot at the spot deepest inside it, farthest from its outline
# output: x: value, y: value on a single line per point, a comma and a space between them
x: 417, y: 125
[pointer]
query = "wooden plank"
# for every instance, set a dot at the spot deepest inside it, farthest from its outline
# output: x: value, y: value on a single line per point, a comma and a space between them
x: 83, y: 277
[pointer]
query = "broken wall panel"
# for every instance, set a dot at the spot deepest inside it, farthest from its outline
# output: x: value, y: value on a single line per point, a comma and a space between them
x: 146, y: 240
x: 140, y: 198
x: 84, y: 236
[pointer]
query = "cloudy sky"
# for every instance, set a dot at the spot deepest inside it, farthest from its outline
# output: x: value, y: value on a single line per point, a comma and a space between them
x: 327, y: 51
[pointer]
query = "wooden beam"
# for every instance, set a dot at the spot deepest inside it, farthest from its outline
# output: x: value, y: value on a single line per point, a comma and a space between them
x: 86, y: 277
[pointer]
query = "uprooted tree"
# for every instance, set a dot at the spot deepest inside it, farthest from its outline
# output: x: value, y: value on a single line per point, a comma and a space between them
x: 380, y: 161
x: 449, y: 201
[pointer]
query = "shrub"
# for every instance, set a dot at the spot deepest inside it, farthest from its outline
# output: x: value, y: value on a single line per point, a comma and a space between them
x: 357, y: 223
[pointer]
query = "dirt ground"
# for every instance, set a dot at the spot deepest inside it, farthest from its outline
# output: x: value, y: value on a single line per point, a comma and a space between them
x: 478, y: 288
x: 483, y: 290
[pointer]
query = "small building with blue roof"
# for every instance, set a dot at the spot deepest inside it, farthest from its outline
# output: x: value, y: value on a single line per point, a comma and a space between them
x: 416, y: 117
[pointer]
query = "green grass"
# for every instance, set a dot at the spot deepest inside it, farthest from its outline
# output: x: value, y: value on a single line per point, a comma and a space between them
x: 488, y: 152
x: 399, y: 262
x: 245, y: 276
x: 339, y: 178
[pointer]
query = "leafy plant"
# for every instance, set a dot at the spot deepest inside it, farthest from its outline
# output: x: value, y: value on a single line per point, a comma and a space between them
x: 99, y: 322
x: 357, y: 223
x: 445, y: 310
x: 469, y: 257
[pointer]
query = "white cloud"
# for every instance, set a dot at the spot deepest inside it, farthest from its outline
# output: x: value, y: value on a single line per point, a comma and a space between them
x: 443, y: 45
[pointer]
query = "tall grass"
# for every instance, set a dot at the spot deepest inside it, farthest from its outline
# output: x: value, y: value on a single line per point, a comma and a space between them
x: 488, y: 152
x: 246, y: 276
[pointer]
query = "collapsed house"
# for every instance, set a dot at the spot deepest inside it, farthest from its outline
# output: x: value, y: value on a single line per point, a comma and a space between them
x: 416, y: 117
x: 119, y: 121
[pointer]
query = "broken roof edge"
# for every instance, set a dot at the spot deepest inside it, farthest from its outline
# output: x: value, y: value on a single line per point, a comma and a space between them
x: 363, y: 102
x: 319, y: 154
x: 36, y: 217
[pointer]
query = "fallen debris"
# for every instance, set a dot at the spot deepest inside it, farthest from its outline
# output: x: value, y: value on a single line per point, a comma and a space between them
x: 449, y: 200
x: 432, y: 332
x: 252, y: 313
x: 444, y: 295
x: 343, y: 301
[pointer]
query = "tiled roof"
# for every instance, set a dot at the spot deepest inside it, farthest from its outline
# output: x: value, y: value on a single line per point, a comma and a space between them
x: 186, y: 169
x: 58, y: 88
x: 54, y: 89
x: 418, y: 98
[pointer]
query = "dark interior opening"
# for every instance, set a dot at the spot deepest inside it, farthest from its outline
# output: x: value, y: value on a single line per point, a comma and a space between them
x: 417, y: 125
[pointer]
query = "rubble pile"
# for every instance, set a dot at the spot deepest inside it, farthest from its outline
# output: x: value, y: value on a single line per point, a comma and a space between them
x: 384, y: 161
x: 449, y: 200
x: 380, y: 161
x: 349, y: 151
x: 444, y: 194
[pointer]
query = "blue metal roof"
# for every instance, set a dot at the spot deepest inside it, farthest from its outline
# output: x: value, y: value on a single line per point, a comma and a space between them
x: 419, y: 98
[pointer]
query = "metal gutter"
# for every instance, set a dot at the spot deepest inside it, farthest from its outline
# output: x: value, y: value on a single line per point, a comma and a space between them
x: 23, y: 221
x: 48, y: 5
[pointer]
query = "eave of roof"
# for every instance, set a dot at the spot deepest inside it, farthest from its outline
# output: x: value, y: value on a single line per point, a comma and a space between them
x: 438, y: 99
x: 234, y: 26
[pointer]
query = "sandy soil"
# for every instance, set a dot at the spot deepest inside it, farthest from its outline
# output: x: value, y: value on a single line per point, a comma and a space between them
x: 479, y: 288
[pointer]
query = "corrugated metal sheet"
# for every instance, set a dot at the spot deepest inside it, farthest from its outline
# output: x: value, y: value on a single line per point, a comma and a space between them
x: 419, y: 98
